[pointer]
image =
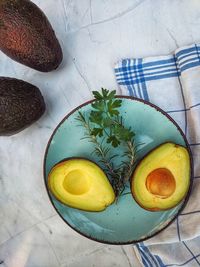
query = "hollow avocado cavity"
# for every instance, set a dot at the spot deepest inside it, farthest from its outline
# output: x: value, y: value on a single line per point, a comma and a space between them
x: 76, y: 182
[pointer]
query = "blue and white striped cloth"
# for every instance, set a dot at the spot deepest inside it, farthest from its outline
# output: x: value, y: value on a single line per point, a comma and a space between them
x: 173, y: 83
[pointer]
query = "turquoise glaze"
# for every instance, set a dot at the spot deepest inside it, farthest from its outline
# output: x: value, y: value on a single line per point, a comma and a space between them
x: 124, y: 222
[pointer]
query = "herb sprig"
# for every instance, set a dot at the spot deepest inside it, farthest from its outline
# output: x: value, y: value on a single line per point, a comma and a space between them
x: 105, y: 128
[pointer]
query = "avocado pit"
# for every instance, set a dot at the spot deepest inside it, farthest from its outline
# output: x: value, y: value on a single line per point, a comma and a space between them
x: 161, y: 182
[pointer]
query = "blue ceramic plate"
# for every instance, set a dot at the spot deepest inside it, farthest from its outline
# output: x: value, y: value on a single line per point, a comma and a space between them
x: 124, y: 222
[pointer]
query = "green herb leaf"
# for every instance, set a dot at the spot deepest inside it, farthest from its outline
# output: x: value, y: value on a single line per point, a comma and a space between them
x: 97, y: 132
x: 97, y: 95
x: 98, y: 105
x: 112, y: 95
x: 96, y: 117
x: 113, y: 140
x: 107, y: 122
x: 117, y: 103
x: 112, y: 107
x: 105, y: 93
x: 124, y: 134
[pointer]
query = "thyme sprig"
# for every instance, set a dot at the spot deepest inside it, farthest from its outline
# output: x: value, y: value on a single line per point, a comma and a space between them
x: 105, y: 128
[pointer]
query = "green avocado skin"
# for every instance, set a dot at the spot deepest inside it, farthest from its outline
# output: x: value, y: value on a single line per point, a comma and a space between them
x: 21, y: 104
x: 27, y: 36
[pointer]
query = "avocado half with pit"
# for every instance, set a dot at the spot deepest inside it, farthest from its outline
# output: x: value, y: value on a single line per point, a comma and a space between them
x: 162, y: 179
x: 81, y: 184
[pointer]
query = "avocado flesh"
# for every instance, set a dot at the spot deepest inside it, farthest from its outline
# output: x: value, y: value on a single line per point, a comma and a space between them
x: 27, y: 37
x: 81, y: 184
x: 21, y: 104
x: 162, y: 178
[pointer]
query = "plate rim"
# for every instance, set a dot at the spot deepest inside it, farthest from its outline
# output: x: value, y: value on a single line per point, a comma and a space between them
x: 185, y: 199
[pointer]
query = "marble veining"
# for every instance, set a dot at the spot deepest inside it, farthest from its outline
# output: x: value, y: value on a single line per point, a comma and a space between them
x: 94, y: 35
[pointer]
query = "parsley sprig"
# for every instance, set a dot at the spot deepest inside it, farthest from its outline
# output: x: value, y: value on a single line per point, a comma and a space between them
x: 105, y: 128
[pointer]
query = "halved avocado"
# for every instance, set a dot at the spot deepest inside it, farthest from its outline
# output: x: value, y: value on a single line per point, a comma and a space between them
x: 162, y: 179
x: 81, y: 184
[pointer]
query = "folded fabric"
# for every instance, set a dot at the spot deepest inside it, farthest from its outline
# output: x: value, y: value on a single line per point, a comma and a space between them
x: 173, y: 83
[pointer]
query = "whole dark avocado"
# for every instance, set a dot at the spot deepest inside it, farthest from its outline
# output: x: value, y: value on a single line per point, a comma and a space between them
x: 21, y: 104
x: 27, y: 37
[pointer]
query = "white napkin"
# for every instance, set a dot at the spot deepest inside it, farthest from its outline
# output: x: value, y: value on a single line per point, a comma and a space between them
x: 173, y: 83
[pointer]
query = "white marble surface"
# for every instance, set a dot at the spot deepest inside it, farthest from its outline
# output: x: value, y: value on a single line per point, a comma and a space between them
x: 94, y: 34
